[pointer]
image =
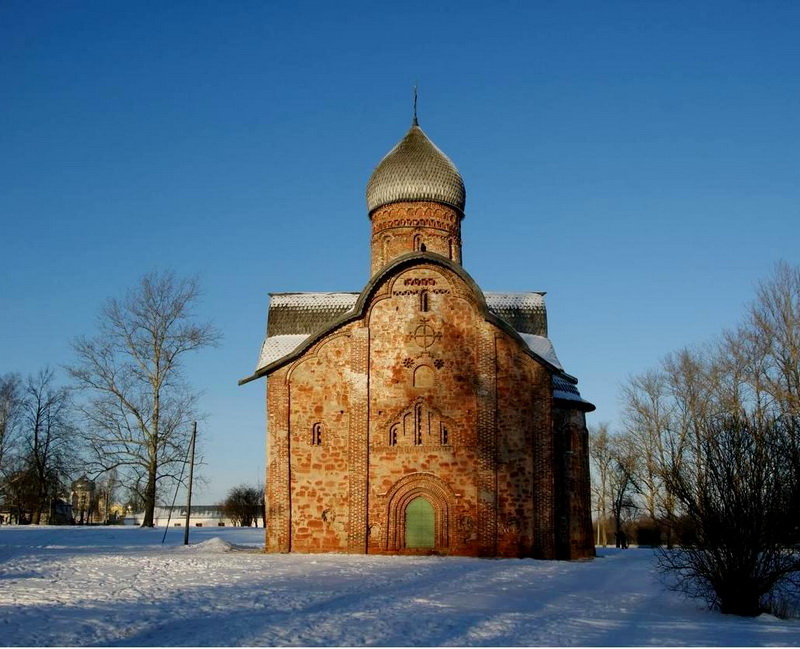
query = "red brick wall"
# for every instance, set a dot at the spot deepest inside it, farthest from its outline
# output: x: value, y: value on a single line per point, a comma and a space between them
x: 421, y: 398
x: 574, y: 527
x: 424, y: 383
x: 523, y: 423
x: 278, y: 487
x: 400, y: 228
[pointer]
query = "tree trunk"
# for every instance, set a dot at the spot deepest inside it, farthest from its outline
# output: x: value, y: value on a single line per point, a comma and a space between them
x: 150, y: 497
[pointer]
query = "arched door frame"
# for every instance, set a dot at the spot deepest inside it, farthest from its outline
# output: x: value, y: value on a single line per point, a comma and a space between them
x: 436, y: 491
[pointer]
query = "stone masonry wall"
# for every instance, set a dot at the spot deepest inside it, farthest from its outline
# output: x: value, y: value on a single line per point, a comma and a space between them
x: 400, y: 228
x: 523, y: 417
x: 573, y: 498
x: 421, y: 398
x: 277, y: 467
x: 423, y: 407
x: 320, y: 419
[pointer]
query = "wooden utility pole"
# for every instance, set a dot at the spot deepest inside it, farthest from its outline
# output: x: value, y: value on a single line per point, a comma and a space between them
x: 189, y: 497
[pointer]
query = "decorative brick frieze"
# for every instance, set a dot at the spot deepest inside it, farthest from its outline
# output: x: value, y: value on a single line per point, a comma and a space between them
x: 400, y: 228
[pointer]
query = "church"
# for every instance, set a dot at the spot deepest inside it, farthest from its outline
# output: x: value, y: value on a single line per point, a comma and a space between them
x: 421, y: 415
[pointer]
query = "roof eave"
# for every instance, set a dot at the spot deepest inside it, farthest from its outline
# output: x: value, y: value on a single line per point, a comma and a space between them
x: 578, y: 404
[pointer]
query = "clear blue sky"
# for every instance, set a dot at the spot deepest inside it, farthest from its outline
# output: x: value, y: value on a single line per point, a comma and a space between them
x: 639, y: 161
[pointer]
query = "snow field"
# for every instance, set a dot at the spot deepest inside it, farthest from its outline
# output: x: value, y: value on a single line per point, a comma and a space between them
x: 118, y: 586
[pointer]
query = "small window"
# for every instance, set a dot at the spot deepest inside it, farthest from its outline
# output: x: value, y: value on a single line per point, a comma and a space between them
x: 443, y: 435
x: 316, y: 434
x: 423, y: 301
x: 393, y: 435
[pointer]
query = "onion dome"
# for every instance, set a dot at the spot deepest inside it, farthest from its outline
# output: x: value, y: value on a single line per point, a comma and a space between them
x: 415, y: 170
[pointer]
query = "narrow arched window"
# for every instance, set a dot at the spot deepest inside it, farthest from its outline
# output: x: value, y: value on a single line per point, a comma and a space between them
x: 316, y: 434
x: 423, y: 300
x: 393, y: 435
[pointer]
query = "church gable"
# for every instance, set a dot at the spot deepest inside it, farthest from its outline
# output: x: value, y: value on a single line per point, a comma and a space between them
x: 424, y: 325
x: 296, y: 320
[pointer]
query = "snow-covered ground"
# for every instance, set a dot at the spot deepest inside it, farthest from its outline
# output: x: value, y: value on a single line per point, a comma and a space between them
x: 121, y: 587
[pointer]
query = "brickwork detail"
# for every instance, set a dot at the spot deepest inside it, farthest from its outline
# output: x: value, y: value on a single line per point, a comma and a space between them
x: 400, y: 228
x: 359, y: 442
x: 278, y: 453
x: 487, y: 448
x: 436, y: 491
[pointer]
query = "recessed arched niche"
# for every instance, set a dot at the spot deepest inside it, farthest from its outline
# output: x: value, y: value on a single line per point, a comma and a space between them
x: 424, y: 376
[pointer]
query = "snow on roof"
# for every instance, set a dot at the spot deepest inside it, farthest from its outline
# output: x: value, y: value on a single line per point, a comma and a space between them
x: 514, y: 300
x: 276, y: 347
x: 541, y: 346
x: 313, y: 300
x: 564, y: 389
x: 494, y: 299
x: 569, y: 396
x: 293, y: 317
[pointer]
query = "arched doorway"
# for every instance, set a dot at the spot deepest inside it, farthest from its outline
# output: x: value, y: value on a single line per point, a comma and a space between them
x: 423, y: 502
x: 420, y: 525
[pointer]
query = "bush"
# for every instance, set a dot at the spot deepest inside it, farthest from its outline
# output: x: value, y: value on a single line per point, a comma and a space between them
x: 740, y: 495
x: 243, y: 505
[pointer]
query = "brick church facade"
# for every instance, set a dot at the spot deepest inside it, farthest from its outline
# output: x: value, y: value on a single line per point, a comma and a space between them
x: 421, y: 415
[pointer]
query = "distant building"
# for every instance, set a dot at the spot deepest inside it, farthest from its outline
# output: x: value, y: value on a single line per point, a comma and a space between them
x: 84, y: 501
x: 201, y: 516
x: 422, y: 414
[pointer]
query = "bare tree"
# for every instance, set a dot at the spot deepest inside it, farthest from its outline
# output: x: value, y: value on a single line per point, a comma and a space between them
x: 140, y: 411
x: 622, y: 480
x: 48, y: 442
x: 602, y: 461
x: 244, y: 504
x: 645, y: 418
x: 614, y: 464
x: 774, y: 320
x: 10, y: 403
x: 743, y: 511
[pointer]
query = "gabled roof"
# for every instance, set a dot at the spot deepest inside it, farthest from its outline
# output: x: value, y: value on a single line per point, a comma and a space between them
x: 305, y: 313
x: 297, y: 320
x: 310, y: 314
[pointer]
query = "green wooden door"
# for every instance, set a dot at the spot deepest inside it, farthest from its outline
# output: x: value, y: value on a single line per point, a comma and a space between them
x: 419, y: 524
